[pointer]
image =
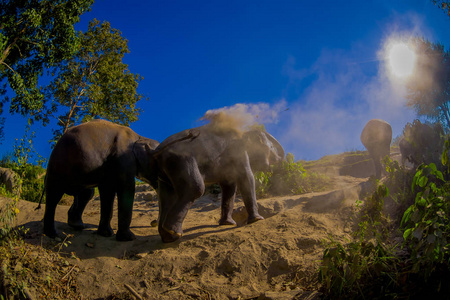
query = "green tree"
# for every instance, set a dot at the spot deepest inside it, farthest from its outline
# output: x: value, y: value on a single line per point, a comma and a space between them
x: 429, y: 87
x: 95, y: 83
x: 34, y: 35
x: 445, y: 5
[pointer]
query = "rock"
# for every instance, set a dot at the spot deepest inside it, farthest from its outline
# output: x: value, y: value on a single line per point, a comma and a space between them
x: 11, y: 180
x: 141, y: 255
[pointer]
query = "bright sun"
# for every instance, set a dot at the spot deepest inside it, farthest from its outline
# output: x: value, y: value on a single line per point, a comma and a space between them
x: 401, y: 60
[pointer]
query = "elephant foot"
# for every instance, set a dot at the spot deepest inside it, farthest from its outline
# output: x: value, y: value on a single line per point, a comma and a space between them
x: 51, y: 233
x: 254, y: 219
x: 78, y: 224
x: 125, y: 235
x: 105, y: 231
x: 169, y: 236
x: 227, y: 221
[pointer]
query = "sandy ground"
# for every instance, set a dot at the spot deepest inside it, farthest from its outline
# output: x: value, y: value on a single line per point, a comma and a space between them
x: 276, y: 258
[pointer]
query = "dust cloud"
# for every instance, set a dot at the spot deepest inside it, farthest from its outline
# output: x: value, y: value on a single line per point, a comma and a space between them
x: 332, y: 98
x: 326, y: 104
x: 330, y: 113
x: 240, y: 117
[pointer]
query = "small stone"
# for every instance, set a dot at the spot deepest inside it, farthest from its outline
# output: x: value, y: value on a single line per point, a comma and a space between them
x: 90, y: 245
x: 154, y: 223
x: 141, y: 255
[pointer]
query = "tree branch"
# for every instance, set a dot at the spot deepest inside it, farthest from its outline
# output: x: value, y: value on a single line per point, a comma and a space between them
x: 3, y: 63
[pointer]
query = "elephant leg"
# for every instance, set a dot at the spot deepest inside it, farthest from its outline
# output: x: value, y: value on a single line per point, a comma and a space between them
x: 52, y: 198
x: 107, y: 193
x: 246, y: 186
x: 188, y: 185
x: 377, y: 165
x: 75, y: 212
x: 167, y: 197
x: 125, y: 197
x: 228, y: 195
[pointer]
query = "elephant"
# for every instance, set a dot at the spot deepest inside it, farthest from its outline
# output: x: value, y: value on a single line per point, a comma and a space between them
x: 218, y: 156
x: 407, y: 152
x: 104, y: 155
x: 376, y: 137
x: 422, y: 143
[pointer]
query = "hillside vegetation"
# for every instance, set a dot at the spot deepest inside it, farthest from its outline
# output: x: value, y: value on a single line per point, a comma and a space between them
x: 349, y: 238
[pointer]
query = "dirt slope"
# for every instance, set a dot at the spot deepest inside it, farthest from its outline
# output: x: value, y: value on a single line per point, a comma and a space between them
x: 272, y: 259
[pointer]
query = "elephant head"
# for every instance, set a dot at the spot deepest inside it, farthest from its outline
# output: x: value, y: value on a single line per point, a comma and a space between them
x: 146, y: 154
x: 263, y: 150
x: 143, y: 150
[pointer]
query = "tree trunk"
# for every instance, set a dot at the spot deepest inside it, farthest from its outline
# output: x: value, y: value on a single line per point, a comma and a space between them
x: 74, y: 105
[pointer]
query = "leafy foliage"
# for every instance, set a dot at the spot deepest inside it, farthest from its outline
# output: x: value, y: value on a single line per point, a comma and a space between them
x: 424, y: 142
x: 429, y: 88
x: 426, y: 223
x: 35, y: 35
x: 357, y: 269
x: 289, y: 178
x: 31, y: 175
x: 444, y: 5
x: 368, y: 266
x: 8, y: 214
x: 95, y: 83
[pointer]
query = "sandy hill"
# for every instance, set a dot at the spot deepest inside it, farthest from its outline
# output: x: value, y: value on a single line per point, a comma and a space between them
x: 276, y: 258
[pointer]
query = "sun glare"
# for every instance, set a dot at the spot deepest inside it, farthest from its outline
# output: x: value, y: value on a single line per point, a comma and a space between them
x: 401, y: 60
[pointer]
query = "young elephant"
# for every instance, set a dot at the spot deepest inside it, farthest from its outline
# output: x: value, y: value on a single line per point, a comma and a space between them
x: 97, y: 153
x: 376, y: 137
x: 215, y: 156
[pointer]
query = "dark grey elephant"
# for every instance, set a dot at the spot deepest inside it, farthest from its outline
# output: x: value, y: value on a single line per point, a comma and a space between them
x: 218, y: 156
x: 407, y: 152
x: 376, y: 137
x: 98, y: 153
x: 422, y: 143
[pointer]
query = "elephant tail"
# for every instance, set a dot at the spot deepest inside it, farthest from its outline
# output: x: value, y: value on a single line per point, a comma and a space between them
x: 42, y: 195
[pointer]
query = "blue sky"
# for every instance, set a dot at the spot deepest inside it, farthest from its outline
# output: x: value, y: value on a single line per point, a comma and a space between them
x: 312, y: 71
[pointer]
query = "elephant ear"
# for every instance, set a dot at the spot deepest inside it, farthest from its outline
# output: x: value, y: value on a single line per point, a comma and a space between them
x: 277, y: 148
x: 263, y: 149
x: 143, y: 148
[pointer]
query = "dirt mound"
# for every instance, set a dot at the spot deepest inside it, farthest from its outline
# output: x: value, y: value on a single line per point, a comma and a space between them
x: 271, y: 259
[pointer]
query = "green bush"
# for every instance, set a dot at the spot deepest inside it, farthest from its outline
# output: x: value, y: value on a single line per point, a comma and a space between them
x: 425, y: 140
x: 32, y: 178
x: 358, y: 270
x: 367, y: 266
x: 372, y: 265
x: 426, y: 223
x: 289, y: 178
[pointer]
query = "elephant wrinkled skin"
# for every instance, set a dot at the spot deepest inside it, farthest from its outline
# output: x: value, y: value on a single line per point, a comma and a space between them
x: 218, y: 156
x: 376, y: 137
x: 97, y: 153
